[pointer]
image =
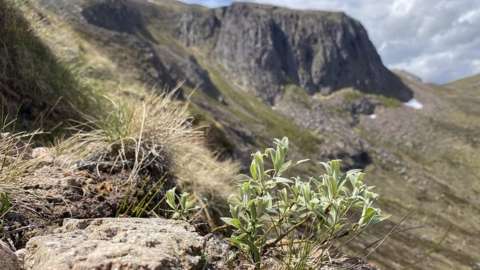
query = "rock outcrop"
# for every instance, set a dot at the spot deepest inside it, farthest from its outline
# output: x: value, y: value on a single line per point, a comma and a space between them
x: 265, y: 47
x: 8, y: 259
x: 128, y: 244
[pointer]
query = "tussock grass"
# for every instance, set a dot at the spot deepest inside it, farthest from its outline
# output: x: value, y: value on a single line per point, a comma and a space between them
x: 15, y: 162
x: 15, y: 155
x: 152, y: 132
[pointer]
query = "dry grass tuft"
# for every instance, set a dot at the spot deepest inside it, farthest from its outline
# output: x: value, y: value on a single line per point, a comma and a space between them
x: 15, y: 156
x: 141, y: 132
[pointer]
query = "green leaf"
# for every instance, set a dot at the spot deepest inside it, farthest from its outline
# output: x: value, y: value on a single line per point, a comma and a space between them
x: 302, y: 161
x: 190, y: 204
x: 367, y: 215
x: 171, y: 198
x: 284, y: 167
x: 253, y: 169
x: 234, y: 222
x: 183, y: 200
x: 282, y: 180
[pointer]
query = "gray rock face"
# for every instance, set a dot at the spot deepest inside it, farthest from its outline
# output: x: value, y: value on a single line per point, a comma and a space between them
x: 8, y: 259
x: 260, y: 48
x: 265, y: 47
x: 127, y: 244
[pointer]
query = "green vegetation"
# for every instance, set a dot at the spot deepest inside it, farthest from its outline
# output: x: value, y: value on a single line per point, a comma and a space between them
x: 181, y: 205
x: 294, y: 219
x: 352, y: 95
x: 252, y: 111
x: 423, y: 178
x: 145, y: 140
x: 298, y: 95
x: 388, y: 101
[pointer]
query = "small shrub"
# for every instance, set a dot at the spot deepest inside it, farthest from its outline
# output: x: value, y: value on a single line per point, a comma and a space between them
x: 293, y: 219
x: 182, y: 206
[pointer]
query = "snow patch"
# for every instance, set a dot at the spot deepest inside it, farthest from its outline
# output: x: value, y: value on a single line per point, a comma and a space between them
x: 413, y: 103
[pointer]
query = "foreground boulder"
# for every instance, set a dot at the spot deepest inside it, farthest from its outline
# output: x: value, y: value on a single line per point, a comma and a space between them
x: 8, y: 259
x: 126, y: 244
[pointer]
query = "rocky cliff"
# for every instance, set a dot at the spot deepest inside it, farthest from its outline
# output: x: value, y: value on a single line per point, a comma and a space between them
x: 260, y: 48
x: 263, y: 48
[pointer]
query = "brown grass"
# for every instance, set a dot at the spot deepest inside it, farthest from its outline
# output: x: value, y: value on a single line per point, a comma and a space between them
x: 139, y: 128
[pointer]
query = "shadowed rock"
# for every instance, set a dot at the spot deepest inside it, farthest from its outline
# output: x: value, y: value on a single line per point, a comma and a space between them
x: 8, y: 259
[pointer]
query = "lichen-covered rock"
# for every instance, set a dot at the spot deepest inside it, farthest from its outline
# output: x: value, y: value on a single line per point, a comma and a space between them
x: 8, y: 259
x: 127, y: 244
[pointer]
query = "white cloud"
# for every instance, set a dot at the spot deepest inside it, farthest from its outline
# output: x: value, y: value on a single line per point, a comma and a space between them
x: 476, y: 66
x: 439, y: 40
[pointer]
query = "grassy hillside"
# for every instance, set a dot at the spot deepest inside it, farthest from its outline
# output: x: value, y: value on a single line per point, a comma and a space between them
x: 35, y: 87
x: 470, y: 83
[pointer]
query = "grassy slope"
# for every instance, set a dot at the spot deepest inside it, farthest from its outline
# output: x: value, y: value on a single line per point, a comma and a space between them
x: 440, y: 185
x: 469, y: 83
x: 35, y: 86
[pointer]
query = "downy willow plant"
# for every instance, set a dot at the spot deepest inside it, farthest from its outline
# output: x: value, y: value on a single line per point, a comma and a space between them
x: 297, y: 220
x: 181, y: 205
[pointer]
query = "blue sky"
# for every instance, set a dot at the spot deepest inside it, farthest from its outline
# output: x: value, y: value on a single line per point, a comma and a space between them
x: 438, y: 40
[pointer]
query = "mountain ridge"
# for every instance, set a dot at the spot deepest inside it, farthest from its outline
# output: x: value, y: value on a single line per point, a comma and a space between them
x: 279, y: 46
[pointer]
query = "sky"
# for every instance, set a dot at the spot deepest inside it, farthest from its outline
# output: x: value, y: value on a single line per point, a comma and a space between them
x: 437, y: 40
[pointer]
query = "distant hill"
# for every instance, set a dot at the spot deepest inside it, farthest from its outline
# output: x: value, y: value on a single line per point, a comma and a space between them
x: 469, y: 83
